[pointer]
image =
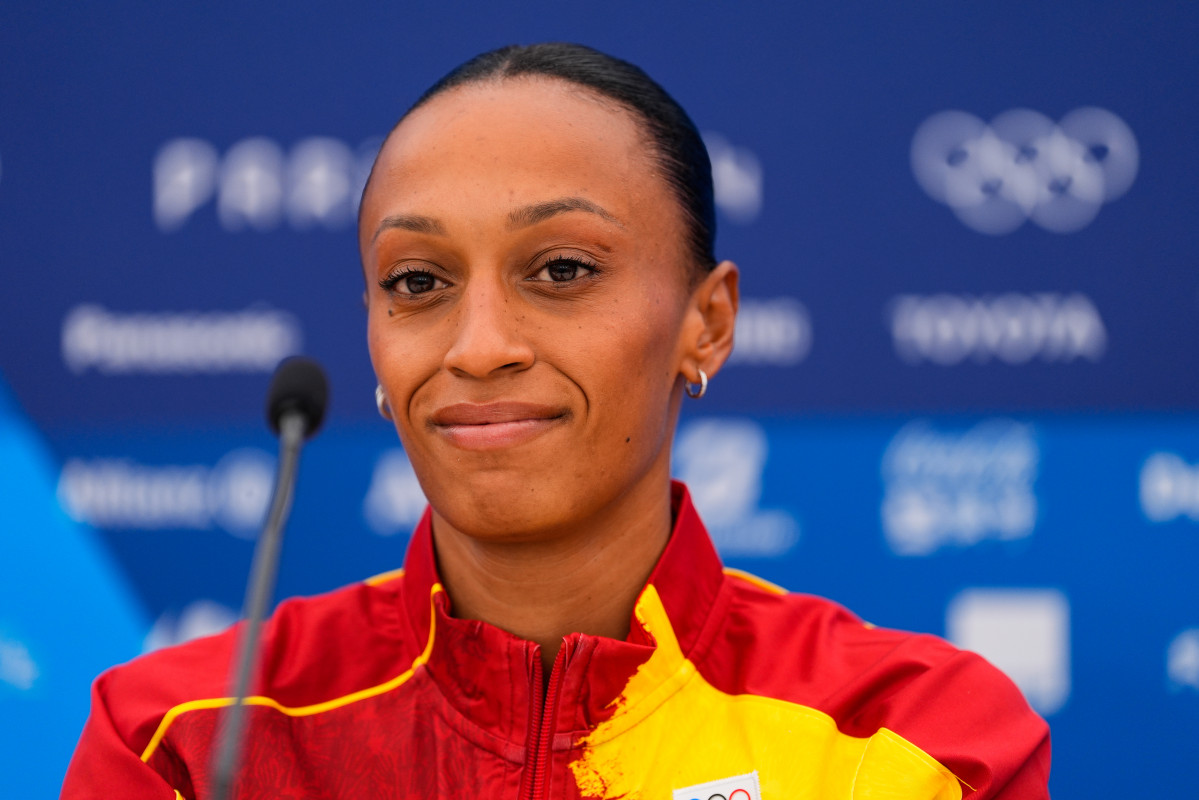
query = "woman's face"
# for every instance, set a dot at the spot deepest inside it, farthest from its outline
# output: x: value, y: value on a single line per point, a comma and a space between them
x: 528, y: 293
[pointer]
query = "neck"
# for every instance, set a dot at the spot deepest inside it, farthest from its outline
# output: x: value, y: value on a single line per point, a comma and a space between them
x: 585, y: 580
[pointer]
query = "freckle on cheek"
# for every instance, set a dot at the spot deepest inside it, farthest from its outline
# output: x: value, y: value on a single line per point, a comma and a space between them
x: 628, y: 439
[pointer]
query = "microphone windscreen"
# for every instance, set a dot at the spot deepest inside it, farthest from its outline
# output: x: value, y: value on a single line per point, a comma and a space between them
x: 298, y: 385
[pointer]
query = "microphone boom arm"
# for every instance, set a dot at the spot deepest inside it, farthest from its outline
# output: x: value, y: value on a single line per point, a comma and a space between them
x: 293, y: 427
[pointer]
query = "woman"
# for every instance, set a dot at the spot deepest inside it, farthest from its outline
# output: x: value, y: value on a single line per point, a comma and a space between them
x: 537, y: 242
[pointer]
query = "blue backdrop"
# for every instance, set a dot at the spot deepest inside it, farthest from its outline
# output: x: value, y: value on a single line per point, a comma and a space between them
x: 964, y: 399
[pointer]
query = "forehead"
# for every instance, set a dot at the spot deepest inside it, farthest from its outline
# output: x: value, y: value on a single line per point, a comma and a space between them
x: 498, y: 144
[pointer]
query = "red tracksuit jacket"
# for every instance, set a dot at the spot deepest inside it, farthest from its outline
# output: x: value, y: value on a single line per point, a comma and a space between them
x: 376, y: 691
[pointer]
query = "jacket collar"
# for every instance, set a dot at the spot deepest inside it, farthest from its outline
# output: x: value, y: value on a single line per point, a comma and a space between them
x: 489, y: 675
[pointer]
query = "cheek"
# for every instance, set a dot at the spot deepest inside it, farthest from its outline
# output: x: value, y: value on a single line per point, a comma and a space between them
x: 633, y: 365
x: 380, y: 345
x: 399, y: 360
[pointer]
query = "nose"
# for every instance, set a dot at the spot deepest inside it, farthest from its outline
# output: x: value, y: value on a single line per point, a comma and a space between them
x: 488, y: 336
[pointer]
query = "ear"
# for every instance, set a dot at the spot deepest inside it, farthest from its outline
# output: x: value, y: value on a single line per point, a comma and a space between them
x: 711, y: 318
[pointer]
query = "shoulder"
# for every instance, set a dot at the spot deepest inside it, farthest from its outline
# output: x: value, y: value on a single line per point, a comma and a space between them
x: 950, y: 703
x: 817, y: 648
x: 313, y: 649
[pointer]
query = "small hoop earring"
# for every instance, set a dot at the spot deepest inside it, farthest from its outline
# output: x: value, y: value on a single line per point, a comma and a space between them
x: 381, y: 403
x: 703, y: 386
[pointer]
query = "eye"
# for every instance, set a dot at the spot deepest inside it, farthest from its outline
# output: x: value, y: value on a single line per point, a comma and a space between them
x: 563, y: 269
x: 411, y: 281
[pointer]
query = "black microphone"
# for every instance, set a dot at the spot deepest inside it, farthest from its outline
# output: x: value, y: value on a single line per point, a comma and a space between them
x: 295, y: 408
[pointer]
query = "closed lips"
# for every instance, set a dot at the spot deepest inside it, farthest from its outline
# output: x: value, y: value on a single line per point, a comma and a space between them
x: 493, y: 413
x: 496, y: 425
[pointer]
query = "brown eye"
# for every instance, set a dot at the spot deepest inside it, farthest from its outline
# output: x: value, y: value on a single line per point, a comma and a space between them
x: 410, y: 282
x: 418, y: 282
x: 563, y: 270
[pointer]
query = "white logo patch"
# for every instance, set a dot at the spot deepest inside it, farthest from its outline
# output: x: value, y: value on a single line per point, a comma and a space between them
x: 740, y: 787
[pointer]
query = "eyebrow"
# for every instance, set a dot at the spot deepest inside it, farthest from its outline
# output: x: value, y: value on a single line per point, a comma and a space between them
x: 539, y: 212
x: 411, y: 222
x: 519, y: 218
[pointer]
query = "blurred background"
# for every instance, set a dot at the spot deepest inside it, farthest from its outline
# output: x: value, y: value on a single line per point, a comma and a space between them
x: 964, y: 398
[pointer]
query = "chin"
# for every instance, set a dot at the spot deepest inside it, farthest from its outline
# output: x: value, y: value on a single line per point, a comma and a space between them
x: 507, y: 506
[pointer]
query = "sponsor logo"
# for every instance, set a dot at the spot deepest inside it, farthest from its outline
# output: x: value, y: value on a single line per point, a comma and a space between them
x: 17, y: 667
x: 1169, y: 488
x: 958, y: 488
x: 1182, y: 660
x: 736, y: 179
x: 1011, y: 328
x: 258, y: 186
x: 198, y: 618
x: 1023, y: 166
x: 775, y: 332
x: 394, y: 502
x: 121, y: 493
x: 1024, y: 632
x: 740, y: 787
x: 723, y: 462
x: 175, y: 343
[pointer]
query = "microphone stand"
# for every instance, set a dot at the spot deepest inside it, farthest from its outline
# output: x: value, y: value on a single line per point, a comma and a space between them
x: 292, y: 428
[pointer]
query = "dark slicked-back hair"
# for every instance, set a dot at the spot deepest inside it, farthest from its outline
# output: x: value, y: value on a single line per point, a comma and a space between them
x: 681, y: 155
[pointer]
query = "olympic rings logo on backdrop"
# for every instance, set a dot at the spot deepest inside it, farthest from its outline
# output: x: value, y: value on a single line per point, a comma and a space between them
x: 1023, y: 166
x: 739, y: 794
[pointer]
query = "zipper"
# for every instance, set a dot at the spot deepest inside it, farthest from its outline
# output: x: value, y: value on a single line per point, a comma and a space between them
x: 545, y: 723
